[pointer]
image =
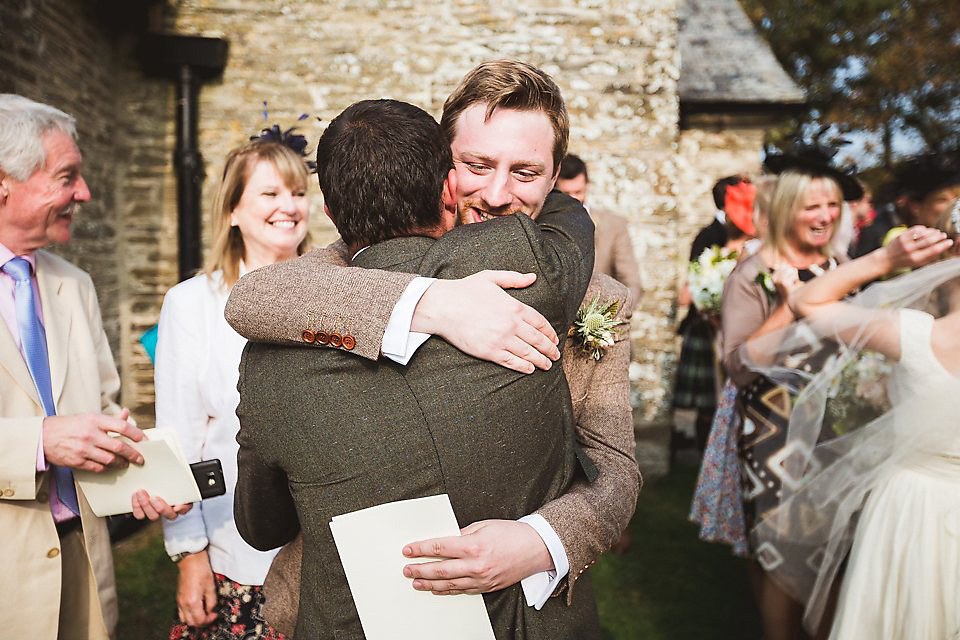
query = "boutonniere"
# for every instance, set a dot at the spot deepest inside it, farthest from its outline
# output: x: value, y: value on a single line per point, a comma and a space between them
x: 593, y: 330
x: 765, y: 281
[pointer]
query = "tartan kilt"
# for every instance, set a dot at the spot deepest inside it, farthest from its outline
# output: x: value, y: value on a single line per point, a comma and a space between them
x: 695, y: 386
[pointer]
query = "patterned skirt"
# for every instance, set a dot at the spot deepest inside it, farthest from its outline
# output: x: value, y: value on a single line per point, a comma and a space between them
x: 238, y: 616
x: 765, y: 407
x: 717, y: 501
x: 695, y: 386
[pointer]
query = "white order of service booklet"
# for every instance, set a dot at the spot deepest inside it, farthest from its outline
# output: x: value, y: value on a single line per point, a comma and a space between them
x: 370, y: 543
x: 164, y: 473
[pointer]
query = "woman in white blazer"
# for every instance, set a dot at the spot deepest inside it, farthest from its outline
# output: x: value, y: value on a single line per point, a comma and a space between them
x: 260, y: 217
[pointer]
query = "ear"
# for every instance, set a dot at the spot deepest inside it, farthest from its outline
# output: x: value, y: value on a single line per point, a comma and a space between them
x: 448, y: 213
x: 553, y: 180
x: 326, y: 210
x: 450, y: 191
x: 4, y: 188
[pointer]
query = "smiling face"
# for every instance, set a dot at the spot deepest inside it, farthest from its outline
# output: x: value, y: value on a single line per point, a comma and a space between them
x: 504, y: 164
x: 38, y: 212
x: 272, y: 216
x: 813, y: 222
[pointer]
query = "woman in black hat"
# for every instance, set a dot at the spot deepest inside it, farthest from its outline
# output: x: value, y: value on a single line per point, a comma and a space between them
x: 803, y: 217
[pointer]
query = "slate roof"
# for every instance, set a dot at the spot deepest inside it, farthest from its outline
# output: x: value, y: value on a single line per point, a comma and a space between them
x: 724, y: 60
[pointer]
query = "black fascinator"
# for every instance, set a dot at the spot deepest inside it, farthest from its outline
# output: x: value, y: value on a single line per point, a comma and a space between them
x: 288, y: 138
x: 815, y: 159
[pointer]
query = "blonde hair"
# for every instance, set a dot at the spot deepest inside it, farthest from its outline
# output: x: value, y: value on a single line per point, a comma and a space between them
x: 228, y: 248
x: 786, y: 202
x: 765, y: 185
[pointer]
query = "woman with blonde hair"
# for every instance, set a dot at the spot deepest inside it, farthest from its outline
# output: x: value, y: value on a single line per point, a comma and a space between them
x: 884, y: 496
x: 259, y: 217
x: 801, y: 223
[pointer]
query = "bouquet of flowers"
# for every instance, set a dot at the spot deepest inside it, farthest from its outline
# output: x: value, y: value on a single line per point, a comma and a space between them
x: 858, y: 394
x: 706, y: 276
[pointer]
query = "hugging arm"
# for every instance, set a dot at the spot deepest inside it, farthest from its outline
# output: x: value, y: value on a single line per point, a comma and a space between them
x: 291, y: 302
x: 263, y: 508
x: 316, y: 292
x: 819, y: 299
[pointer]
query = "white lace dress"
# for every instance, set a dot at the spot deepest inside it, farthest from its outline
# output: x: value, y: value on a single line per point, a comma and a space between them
x: 903, y: 577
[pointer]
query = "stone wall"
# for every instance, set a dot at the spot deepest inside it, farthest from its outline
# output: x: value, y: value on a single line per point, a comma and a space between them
x: 615, y: 62
x: 58, y: 52
x: 81, y: 58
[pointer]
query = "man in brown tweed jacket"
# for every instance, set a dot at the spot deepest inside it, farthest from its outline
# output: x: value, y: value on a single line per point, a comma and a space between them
x: 280, y: 303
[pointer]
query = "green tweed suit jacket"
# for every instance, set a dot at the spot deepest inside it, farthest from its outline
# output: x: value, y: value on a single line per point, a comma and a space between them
x: 324, y: 433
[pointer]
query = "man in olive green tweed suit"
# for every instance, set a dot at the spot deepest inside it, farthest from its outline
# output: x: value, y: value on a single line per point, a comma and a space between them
x: 326, y: 433
x: 277, y: 303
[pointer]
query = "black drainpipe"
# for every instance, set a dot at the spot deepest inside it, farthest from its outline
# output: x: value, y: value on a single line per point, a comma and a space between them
x: 189, y: 60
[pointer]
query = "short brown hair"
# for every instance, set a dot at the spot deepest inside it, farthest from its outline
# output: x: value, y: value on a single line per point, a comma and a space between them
x: 228, y: 248
x: 510, y: 84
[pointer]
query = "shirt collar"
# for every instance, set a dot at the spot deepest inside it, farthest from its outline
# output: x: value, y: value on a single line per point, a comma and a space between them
x: 6, y: 255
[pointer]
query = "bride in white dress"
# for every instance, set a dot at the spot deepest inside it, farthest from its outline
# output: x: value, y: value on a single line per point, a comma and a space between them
x: 889, y: 492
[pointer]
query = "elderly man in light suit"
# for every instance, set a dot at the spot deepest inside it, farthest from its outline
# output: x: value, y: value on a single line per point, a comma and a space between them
x: 58, y: 386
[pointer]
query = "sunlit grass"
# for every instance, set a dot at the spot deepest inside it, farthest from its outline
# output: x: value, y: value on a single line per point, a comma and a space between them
x: 669, y: 586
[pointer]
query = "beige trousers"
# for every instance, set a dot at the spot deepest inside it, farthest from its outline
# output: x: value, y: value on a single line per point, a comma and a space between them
x: 80, y: 617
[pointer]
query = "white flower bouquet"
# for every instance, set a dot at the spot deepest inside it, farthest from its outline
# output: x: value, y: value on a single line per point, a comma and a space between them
x: 858, y: 394
x: 706, y: 276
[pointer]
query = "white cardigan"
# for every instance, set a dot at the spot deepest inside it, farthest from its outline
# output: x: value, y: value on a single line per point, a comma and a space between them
x: 196, y: 372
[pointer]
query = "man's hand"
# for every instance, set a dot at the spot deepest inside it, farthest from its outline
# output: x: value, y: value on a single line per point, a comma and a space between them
x: 477, y: 317
x: 196, y: 590
x: 82, y: 441
x: 152, y: 508
x: 490, y: 555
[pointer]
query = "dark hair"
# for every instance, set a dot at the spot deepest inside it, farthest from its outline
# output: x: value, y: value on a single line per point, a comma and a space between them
x: 510, y: 84
x: 720, y: 189
x: 572, y: 166
x: 924, y: 174
x: 381, y: 166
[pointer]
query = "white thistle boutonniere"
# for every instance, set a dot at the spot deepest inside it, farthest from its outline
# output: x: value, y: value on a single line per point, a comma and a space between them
x: 594, y: 329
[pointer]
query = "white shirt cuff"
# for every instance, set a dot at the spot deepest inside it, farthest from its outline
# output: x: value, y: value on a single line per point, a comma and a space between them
x: 399, y: 343
x: 538, y: 587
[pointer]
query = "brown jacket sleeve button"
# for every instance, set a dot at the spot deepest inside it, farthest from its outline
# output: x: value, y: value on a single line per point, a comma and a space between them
x: 335, y: 339
x: 323, y: 337
x: 349, y: 343
x: 308, y: 336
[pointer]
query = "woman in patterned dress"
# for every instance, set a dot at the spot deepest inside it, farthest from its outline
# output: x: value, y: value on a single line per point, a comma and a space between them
x: 804, y: 210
